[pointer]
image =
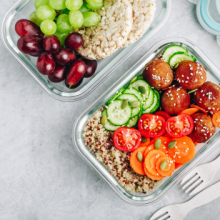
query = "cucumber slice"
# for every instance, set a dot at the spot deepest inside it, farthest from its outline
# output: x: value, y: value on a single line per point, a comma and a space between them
x: 155, y: 104
x: 149, y: 101
x: 178, y: 57
x: 117, y: 115
x: 120, y: 91
x: 169, y: 51
x: 131, y: 98
x: 133, y: 121
x: 134, y: 92
x: 109, y: 126
x: 141, y: 82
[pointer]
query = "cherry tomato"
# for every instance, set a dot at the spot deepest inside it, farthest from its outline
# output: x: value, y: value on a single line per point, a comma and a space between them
x: 127, y: 139
x: 180, y: 125
x: 152, y: 125
x: 165, y: 115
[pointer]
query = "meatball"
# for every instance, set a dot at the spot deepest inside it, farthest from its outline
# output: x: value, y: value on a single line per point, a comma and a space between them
x: 158, y: 74
x: 190, y: 75
x: 175, y: 100
x: 208, y: 97
x: 203, y: 128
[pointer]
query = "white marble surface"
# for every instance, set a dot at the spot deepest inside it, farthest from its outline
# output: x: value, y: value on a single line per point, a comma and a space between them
x: 41, y: 175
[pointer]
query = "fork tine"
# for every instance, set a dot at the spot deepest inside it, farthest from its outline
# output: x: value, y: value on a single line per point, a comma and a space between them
x: 193, y: 185
x: 188, y: 177
x: 191, y: 181
x: 164, y: 217
x: 160, y: 212
x: 198, y: 188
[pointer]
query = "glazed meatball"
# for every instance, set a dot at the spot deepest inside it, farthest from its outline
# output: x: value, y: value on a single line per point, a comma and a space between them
x: 175, y: 100
x: 158, y: 74
x: 208, y: 97
x: 190, y: 75
x: 203, y: 128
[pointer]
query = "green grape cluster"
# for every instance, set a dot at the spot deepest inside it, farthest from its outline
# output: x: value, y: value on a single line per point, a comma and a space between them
x: 60, y: 17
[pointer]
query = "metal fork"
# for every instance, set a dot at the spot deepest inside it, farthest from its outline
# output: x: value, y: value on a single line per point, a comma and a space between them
x: 198, y: 178
x: 179, y: 211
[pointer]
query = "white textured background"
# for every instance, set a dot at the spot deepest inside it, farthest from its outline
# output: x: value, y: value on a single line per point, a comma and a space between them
x: 41, y: 175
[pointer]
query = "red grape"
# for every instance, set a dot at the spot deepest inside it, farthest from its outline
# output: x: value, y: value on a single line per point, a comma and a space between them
x: 51, y: 44
x: 25, y: 27
x: 76, y: 85
x: 75, y: 73
x: 74, y: 41
x: 30, y: 45
x: 91, y: 66
x: 58, y: 74
x: 65, y: 56
x: 46, y: 63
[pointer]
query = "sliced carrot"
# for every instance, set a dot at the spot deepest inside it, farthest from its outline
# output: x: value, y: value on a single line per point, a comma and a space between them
x: 216, y: 119
x: 164, y: 142
x: 190, y: 111
x: 201, y: 109
x: 169, y: 169
x: 150, y: 160
x: 184, y: 150
x: 135, y: 164
x: 177, y: 165
x: 145, y: 144
x: 148, y: 149
x: 151, y: 176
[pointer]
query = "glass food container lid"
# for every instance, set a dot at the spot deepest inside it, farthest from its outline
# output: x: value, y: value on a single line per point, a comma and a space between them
x: 208, y: 13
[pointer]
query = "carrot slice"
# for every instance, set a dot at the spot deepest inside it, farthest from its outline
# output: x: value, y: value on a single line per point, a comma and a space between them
x: 190, y: 111
x: 151, y: 176
x: 169, y: 169
x: 184, y: 150
x: 145, y: 144
x: 135, y: 164
x: 201, y: 109
x: 177, y: 165
x: 148, y: 149
x: 216, y: 119
x: 150, y: 160
x: 164, y: 142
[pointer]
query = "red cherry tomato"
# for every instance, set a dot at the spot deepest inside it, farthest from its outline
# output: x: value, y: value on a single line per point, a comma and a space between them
x: 180, y: 125
x: 152, y: 125
x: 165, y: 115
x: 127, y: 139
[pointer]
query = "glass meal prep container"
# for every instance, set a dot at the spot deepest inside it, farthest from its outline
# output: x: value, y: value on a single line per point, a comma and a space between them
x: 58, y: 90
x: 202, y: 150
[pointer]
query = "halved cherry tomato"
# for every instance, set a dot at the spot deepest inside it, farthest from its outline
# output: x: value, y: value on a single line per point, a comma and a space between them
x: 152, y: 125
x: 127, y: 139
x: 165, y: 115
x: 179, y: 126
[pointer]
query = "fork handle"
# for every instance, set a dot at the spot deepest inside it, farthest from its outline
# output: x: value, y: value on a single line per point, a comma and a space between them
x: 206, y: 196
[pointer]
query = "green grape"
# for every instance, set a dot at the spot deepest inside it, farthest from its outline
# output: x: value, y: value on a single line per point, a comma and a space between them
x: 91, y: 19
x: 74, y: 4
x: 65, y: 11
x: 39, y: 3
x: 34, y: 18
x: 61, y: 37
x: 48, y: 27
x: 94, y: 2
x: 57, y: 4
x: 84, y: 8
x: 76, y: 19
x: 95, y: 6
x: 45, y: 12
x: 63, y: 24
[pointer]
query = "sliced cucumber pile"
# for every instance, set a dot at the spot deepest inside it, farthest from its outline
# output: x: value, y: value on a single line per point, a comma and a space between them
x: 169, y: 51
x: 156, y: 103
x: 132, y: 122
x: 142, y: 86
x: 107, y: 124
x: 120, y: 91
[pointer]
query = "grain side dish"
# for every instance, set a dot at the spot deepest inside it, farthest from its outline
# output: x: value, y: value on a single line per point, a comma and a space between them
x: 100, y: 142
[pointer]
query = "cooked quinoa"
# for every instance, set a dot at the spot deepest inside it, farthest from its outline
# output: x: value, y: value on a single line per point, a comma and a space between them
x: 100, y: 143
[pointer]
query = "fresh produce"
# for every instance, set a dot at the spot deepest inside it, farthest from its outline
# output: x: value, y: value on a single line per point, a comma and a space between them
x: 39, y: 3
x: 190, y: 75
x: 63, y: 24
x: 91, y: 66
x: 199, y: 108
x: 57, y: 4
x: 203, y: 128
x: 76, y: 19
x: 51, y: 44
x: 216, y: 119
x: 165, y: 115
x: 180, y: 125
x: 170, y: 50
x: 73, y: 41
x: 48, y: 27
x: 144, y: 142
x: 74, y: 4
x: 90, y: 19
x: 35, y: 19
x: 127, y: 139
x: 45, y: 12
x: 158, y: 74
x: 31, y: 45
x: 46, y: 64
x: 25, y: 27
x: 190, y: 111
x: 165, y: 166
x: 175, y: 100
x: 65, y: 56
x: 58, y: 75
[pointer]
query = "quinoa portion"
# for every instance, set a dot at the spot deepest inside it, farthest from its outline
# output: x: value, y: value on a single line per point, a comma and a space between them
x: 100, y: 142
